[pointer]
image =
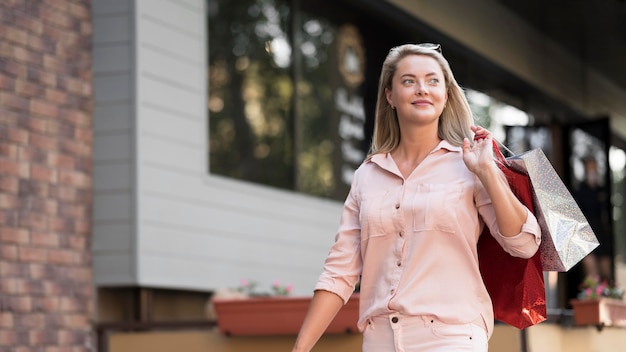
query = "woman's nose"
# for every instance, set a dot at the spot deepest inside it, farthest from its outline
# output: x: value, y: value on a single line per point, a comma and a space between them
x: 421, y: 89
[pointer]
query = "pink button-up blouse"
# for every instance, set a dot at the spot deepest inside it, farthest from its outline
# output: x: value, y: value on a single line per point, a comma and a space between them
x: 413, y: 241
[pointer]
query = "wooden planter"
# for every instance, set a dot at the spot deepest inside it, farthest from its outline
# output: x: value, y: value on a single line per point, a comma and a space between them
x: 277, y: 316
x: 600, y: 312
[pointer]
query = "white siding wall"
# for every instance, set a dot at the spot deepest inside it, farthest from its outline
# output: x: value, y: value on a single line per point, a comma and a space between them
x: 194, y: 230
x: 113, y: 219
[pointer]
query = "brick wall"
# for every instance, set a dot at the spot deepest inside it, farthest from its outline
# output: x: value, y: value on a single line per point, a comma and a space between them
x: 46, y: 295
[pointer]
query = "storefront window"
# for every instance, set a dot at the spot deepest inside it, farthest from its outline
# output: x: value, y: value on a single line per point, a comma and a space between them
x: 250, y: 91
x: 285, y: 117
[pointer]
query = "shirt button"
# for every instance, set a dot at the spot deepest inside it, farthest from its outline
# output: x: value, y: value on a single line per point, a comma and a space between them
x: 401, y: 233
x: 397, y: 205
x: 394, y: 320
x: 399, y: 263
x: 392, y: 291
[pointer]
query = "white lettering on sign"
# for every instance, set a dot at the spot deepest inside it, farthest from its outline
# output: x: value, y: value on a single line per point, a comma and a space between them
x: 351, y: 133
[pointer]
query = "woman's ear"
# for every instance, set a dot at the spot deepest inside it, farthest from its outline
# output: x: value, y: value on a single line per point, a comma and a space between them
x: 388, y: 96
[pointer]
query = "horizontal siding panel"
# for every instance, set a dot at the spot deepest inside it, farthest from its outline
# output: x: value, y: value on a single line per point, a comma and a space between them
x: 174, y: 41
x: 184, y: 74
x: 181, y: 98
x: 211, y: 246
x: 112, y: 58
x: 112, y: 117
x: 266, y: 223
x: 174, y: 127
x: 114, y: 269
x: 111, y: 29
x: 115, y: 237
x: 112, y: 207
x: 171, y: 154
x: 113, y: 176
x: 112, y: 88
x: 185, y: 273
x: 114, y: 147
x: 240, y: 197
x: 108, y: 7
x: 176, y: 15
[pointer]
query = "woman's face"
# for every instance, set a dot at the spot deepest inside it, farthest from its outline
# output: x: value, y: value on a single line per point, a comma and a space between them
x: 418, y: 90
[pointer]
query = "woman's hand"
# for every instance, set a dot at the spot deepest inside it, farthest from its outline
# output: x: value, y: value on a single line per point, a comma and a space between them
x: 478, y: 157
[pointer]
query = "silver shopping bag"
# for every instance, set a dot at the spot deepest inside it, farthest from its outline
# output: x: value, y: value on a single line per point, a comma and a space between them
x: 566, y: 236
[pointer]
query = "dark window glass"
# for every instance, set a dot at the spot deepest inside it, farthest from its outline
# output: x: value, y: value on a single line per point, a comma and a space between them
x: 285, y: 94
x: 250, y: 91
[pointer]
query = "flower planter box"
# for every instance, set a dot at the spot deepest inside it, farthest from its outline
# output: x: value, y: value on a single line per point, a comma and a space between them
x: 277, y: 316
x: 600, y: 312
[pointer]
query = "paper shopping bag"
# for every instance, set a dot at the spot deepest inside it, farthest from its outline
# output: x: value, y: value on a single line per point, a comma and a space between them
x: 515, y: 285
x: 566, y: 236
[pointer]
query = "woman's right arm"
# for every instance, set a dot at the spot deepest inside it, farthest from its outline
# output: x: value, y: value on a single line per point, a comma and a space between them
x: 322, y: 310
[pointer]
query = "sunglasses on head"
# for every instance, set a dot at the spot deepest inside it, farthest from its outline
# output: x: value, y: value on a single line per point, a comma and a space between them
x: 431, y: 46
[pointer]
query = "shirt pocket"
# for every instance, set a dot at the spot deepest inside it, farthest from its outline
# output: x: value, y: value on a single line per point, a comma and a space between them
x: 371, y: 216
x: 435, y: 207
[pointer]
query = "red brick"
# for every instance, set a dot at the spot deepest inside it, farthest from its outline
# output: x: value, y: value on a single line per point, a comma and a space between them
x: 37, y: 271
x: 33, y: 221
x: 29, y: 89
x: 12, y: 100
x: 14, y: 168
x: 13, y: 68
x: 33, y: 254
x: 6, y: 320
x: 31, y: 321
x: 17, y: 135
x: 56, y: 96
x: 19, y: 304
x: 52, y: 288
x: 6, y: 83
x: 12, y: 235
x: 44, y: 142
x: 42, y: 239
x: 47, y: 304
x: 7, y: 337
x: 43, y: 108
x: 43, y: 173
x: 73, y: 178
x: 11, y: 269
x: 8, y: 251
x: 63, y: 256
x: 8, y: 151
x: 51, y: 63
x: 9, y: 184
x: 8, y: 201
x: 15, y: 286
x: 15, y: 35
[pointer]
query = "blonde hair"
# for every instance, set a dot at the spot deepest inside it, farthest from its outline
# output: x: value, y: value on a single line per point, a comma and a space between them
x: 455, y: 120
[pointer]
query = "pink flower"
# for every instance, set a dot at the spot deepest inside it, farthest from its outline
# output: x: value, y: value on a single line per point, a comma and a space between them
x: 289, y: 288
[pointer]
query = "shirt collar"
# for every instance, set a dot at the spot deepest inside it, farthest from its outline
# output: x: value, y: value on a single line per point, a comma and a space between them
x: 384, y: 159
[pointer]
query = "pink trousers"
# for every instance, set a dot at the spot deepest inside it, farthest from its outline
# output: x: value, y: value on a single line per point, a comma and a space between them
x: 399, y: 333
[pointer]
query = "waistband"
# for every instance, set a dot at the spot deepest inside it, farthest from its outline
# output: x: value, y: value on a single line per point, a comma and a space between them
x: 423, y: 320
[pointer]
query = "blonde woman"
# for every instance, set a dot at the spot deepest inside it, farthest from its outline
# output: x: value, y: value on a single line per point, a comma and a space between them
x: 411, y: 222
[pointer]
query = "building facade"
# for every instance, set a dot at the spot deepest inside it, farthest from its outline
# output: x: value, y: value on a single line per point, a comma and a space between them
x: 224, y: 137
x: 46, y: 176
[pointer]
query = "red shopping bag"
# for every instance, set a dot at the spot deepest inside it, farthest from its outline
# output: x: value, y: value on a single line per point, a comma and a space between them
x: 515, y: 284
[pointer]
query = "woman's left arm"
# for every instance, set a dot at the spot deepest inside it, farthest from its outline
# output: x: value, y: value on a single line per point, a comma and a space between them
x: 510, y: 213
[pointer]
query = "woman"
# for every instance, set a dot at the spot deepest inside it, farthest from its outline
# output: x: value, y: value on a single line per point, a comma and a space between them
x: 411, y: 222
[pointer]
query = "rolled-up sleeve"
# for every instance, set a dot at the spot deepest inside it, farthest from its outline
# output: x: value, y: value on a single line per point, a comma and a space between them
x: 526, y: 243
x: 343, y: 264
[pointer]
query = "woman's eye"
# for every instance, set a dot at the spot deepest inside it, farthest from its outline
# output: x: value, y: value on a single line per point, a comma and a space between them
x: 434, y: 81
x: 408, y: 81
